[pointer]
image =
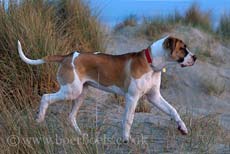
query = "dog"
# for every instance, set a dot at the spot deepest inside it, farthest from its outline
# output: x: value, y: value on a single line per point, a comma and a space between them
x: 131, y: 75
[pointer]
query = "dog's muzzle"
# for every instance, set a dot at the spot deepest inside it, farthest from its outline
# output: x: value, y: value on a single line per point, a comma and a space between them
x: 189, y: 60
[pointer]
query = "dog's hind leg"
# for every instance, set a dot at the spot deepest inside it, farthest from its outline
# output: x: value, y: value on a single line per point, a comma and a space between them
x: 45, y: 101
x: 65, y: 93
x: 75, y: 108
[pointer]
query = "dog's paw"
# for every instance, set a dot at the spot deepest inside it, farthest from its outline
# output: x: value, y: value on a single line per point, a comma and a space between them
x: 83, y: 135
x: 182, y: 128
x: 39, y: 118
x: 125, y: 139
x: 128, y: 140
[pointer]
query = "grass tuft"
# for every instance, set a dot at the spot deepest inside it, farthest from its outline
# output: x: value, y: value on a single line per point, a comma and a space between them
x: 79, y: 26
x: 205, y: 132
x: 196, y: 17
x: 142, y: 106
x: 224, y: 26
x: 214, y: 86
x: 154, y: 27
x: 130, y: 20
x: 44, y: 28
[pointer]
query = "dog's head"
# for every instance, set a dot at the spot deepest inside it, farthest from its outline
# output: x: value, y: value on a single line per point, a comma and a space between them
x: 179, y: 51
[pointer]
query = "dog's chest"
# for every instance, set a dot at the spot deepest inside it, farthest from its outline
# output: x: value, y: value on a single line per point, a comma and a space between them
x: 146, y: 82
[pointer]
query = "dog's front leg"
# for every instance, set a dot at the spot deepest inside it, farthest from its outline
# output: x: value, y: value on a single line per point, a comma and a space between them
x: 156, y: 99
x: 131, y: 103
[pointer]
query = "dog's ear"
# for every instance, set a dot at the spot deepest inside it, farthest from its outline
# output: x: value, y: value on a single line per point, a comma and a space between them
x: 170, y: 43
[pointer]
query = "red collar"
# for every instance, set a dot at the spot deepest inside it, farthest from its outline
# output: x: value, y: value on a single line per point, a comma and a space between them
x: 147, y: 55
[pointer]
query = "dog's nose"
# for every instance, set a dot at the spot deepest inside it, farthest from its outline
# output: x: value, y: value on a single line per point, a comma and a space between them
x: 194, y: 57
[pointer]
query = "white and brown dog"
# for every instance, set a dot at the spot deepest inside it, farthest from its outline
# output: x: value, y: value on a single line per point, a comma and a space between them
x: 131, y: 75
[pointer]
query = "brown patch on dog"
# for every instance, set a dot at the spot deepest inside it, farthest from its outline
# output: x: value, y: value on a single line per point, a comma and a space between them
x: 111, y: 70
x: 139, y: 65
x: 176, y: 46
x: 55, y: 58
x: 65, y: 73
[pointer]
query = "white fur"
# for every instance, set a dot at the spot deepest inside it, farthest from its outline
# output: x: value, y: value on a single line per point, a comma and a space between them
x: 137, y: 88
x: 96, y: 53
x: 27, y: 60
x: 157, y: 49
x: 161, y: 56
x: 188, y: 60
x: 67, y: 92
x: 148, y: 84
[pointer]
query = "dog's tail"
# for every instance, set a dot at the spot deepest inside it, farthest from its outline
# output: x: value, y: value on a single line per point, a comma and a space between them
x: 54, y: 58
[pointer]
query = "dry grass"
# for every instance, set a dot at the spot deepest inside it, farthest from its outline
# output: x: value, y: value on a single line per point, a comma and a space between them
x: 79, y: 26
x: 131, y: 20
x: 43, y: 29
x: 195, y: 17
x: 214, y: 85
x: 142, y: 106
x: 154, y: 27
x: 205, y: 133
x: 224, y: 26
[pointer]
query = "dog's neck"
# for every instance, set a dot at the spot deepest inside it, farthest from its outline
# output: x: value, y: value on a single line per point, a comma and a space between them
x: 160, y: 55
x: 158, y: 50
